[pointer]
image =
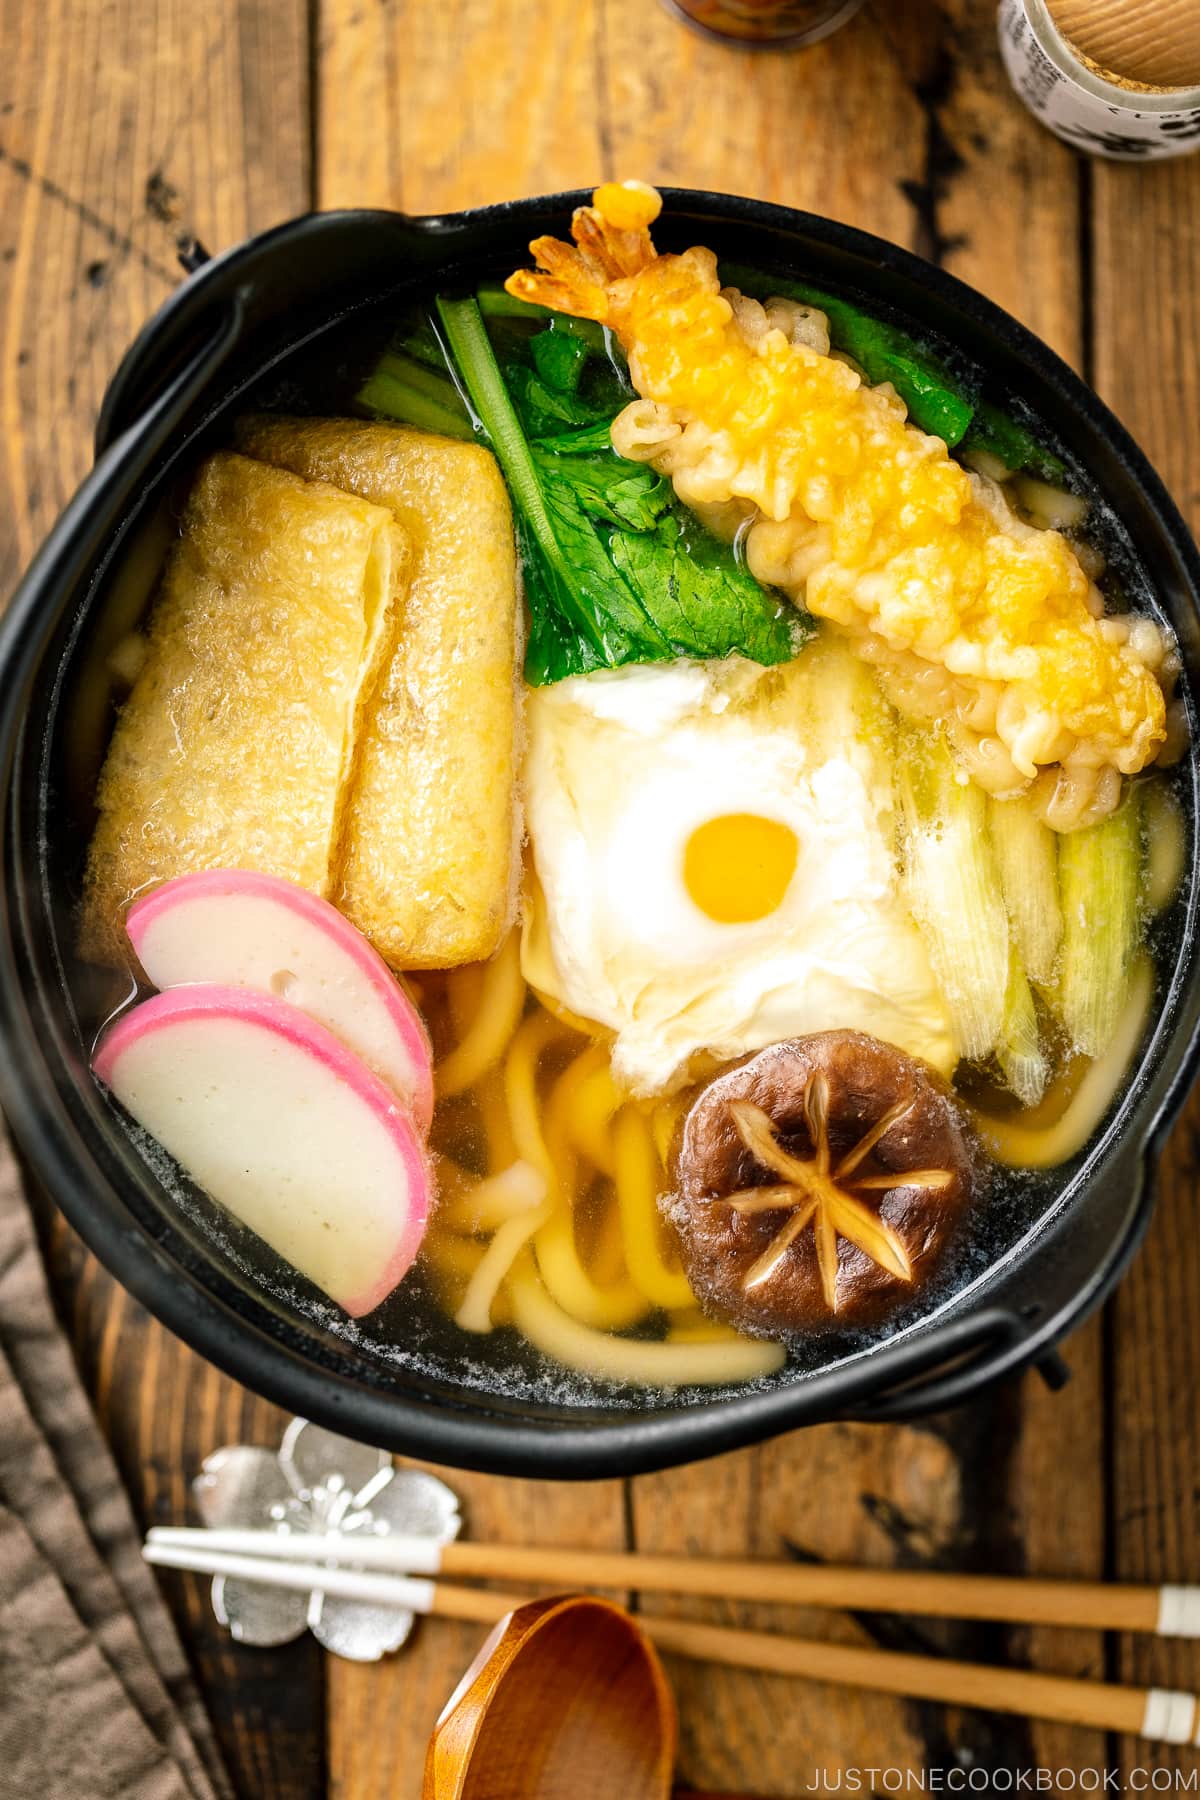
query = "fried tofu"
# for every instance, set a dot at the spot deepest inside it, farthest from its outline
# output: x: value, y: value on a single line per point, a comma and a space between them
x: 236, y: 744
x: 430, y: 856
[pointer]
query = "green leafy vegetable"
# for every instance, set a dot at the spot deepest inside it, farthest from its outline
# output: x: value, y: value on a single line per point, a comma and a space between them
x: 404, y: 389
x: 1015, y: 446
x: 542, y: 409
x: 597, y: 436
x: 613, y: 627
x: 577, y: 613
x: 936, y: 398
x: 559, y: 356
x: 606, y: 486
x: 616, y: 571
x: 553, y: 395
x: 700, y: 598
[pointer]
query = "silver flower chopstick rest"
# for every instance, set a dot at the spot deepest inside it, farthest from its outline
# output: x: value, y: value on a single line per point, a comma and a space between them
x: 318, y: 1482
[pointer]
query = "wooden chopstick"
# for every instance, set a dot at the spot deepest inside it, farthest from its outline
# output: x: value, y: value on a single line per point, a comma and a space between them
x: 1168, y: 1715
x: 1171, y: 1611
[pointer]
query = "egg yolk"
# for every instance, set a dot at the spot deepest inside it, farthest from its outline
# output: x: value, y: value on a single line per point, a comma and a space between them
x: 738, y: 867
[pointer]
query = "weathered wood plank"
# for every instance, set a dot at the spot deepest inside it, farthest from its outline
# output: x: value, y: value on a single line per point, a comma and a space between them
x: 121, y: 129
x: 432, y: 107
x: 801, y: 1495
x: 1147, y: 366
x: 999, y: 199
x: 1055, y: 1501
x: 835, y: 130
x: 381, y: 1715
x: 461, y: 113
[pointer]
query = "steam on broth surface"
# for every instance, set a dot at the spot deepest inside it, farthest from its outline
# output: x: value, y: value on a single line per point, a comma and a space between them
x: 769, y: 870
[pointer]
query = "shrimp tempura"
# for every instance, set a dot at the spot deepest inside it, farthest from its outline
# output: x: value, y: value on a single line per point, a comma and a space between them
x: 971, y: 616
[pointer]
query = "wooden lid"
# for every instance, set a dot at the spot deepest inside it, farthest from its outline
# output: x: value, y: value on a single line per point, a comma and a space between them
x: 1151, y: 43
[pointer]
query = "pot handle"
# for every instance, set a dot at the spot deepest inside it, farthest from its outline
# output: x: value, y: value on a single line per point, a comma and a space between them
x: 191, y: 254
x: 954, y: 1361
x: 172, y: 391
x: 959, y: 1358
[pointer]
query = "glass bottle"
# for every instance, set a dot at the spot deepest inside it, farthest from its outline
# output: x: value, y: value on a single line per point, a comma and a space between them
x: 765, y: 24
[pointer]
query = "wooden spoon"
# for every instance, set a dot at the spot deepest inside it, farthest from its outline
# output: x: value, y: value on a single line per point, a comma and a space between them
x: 567, y: 1700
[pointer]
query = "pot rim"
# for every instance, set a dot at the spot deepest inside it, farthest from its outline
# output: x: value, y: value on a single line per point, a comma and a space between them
x: 978, y: 1343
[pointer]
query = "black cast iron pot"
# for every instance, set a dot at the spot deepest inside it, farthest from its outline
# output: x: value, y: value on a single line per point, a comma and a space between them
x: 232, y: 336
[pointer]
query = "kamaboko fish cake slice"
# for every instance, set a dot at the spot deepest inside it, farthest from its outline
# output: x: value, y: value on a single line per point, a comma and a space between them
x: 431, y: 853
x: 235, y: 747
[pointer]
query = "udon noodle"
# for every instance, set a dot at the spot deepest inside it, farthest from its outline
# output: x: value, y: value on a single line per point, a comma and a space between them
x: 559, y: 1228
x: 560, y: 1232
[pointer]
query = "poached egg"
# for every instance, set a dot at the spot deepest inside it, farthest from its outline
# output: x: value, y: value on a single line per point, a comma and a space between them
x: 713, y: 863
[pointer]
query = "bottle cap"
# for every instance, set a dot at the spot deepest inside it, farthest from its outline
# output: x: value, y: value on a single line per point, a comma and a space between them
x: 1135, y: 43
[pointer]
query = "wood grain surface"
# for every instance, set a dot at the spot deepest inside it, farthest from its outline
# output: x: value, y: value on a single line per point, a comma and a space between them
x: 126, y: 125
x: 1146, y: 364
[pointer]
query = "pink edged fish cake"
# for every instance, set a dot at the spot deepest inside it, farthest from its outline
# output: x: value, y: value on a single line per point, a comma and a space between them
x: 277, y: 1120
x: 238, y: 928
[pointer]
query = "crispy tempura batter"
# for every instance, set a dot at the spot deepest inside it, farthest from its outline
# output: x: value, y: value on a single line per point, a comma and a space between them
x: 971, y: 616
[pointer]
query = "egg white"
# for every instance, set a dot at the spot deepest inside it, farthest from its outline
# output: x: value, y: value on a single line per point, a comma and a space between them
x: 621, y: 769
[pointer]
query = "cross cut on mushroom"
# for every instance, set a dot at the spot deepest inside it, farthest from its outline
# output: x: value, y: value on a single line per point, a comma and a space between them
x: 849, y: 1139
x: 815, y: 1191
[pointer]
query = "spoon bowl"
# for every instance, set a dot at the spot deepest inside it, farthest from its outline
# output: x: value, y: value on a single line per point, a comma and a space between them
x: 567, y: 1700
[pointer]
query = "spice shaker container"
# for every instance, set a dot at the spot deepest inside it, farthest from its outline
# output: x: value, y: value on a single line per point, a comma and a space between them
x: 1117, y: 78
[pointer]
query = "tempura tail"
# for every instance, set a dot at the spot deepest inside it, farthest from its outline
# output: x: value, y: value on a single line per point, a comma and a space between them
x: 612, y: 242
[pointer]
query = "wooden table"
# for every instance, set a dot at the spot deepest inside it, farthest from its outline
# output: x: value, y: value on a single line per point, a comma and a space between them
x: 125, y: 124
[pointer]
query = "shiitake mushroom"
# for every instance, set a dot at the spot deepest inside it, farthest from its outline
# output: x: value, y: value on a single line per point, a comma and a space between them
x: 818, y: 1182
